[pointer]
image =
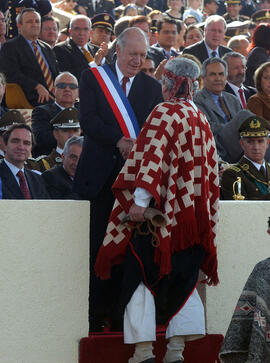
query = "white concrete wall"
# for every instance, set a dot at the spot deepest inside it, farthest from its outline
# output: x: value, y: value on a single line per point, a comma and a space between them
x: 242, y: 242
x: 44, y: 272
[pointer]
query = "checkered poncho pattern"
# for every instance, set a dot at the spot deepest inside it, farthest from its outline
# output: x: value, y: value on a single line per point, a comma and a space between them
x: 175, y: 159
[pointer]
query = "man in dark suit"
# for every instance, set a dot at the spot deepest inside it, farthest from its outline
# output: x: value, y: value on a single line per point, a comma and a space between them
x: 220, y: 108
x: 29, y: 62
x: 252, y: 168
x: 166, y: 40
x: 214, y: 32
x: 96, y: 7
x: 18, y: 182
x: 65, y: 96
x: 105, y: 147
x: 59, y: 179
x: 236, y: 77
x: 74, y: 54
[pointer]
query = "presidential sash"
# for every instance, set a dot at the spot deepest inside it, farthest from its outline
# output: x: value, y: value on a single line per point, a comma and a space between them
x: 117, y: 99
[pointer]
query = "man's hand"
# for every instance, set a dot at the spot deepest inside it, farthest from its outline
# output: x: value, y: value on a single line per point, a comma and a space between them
x: 101, y: 53
x: 43, y: 94
x: 27, y: 117
x: 125, y: 145
x: 136, y: 213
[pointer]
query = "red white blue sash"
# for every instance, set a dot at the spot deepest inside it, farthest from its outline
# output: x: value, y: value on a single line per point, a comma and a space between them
x: 117, y: 99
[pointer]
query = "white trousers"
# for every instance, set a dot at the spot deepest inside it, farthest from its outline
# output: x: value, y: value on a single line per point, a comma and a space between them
x: 140, y: 322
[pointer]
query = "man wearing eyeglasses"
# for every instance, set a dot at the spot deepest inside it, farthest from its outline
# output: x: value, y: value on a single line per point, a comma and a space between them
x: 66, y: 93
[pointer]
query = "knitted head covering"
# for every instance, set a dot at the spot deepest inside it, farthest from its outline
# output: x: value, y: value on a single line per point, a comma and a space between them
x: 178, y: 72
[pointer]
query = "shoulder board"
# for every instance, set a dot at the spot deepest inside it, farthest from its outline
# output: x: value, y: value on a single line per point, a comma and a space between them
x: 40, y: 157
x: 235, y: 168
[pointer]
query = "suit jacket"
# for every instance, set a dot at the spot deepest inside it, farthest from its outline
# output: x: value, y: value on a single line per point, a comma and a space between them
x: 200, y: 51
x: 248, y: 91
x: 216, y: 119
x: 42, y: 130
x: 11, y: 189
x: 70, y: 58
x: 19, y: 64
x: 100, y: 158
x: 158, y: 55
x: 256, y: 57
x: 248, y: 174
x: 260, y: 105
x: 58, y: 183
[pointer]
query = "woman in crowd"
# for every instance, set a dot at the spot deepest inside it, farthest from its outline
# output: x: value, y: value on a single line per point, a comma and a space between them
x: 260, y: 102
x: 176, y: 8
x: 259, y: 51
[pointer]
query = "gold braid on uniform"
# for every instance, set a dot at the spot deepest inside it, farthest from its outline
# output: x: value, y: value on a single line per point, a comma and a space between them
x: 261, y: 184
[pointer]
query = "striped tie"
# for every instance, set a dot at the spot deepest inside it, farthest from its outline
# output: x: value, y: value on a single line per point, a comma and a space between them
x: 87, y: 55
x: 44, y: 68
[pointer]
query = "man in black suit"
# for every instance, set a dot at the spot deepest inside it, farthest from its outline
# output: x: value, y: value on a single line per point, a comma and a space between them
x: 59, y: 179
x: 214, y: 32
x: 65, y: 96
x: 105, y: 146
x: 29, y: 62
x: 18, y: 182
x: 236, y: 77
x: 74, y: 54
x: 166, y: 40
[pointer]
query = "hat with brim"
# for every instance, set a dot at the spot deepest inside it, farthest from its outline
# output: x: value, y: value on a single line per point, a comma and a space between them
x: 254, y: 126
x: 66, y: 119
x: 10, y: 118
x: 103, y: 21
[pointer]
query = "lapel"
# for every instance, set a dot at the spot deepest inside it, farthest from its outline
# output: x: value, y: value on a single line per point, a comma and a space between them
x: 76, y: 51
x: 29, y: 180
x: 65, y: 175
x: 202, y: 50
x: 211, y: 103
x: 9, y: 182
x: 28, y: 53
x: 253, y: 170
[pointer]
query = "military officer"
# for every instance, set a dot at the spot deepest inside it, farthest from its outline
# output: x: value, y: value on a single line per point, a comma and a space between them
x: 233, y: 8
x: 65, y: 124
x: 252, y: 169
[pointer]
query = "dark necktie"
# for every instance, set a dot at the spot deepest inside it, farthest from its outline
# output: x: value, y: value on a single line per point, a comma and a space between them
x: 262, y: 170
x: 242, y: 98
x: 214, y: 54
x: 44, y: 68
x: 124, y: 84
x: 23, y: 185
x: 224, y: 107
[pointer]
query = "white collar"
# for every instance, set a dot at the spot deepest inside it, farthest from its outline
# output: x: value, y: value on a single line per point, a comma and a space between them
x: 234, y: 87
x: 59, y: 150
x: 14, y: 169
x: 120, y: 75
x: 257, y: 166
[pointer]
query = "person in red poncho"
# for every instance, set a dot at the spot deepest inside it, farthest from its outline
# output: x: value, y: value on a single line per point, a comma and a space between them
x: 173, y: 168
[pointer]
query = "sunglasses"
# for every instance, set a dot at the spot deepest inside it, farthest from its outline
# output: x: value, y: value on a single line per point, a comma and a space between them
x: 63, y: 85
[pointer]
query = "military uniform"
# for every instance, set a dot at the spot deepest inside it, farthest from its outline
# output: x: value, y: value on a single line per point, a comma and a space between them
x: 254, y: 185
x: 240, y: 17
x: 261, y: 16
x: 65, y: 119
x: 244, y: 178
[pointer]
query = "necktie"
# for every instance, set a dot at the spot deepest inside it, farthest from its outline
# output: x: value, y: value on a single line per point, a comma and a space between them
x: 224, y: 107
x: 262, y: 170
x: 214, y: 54
x: 44, y: 68
x: 87, y: 55
x: 124, y: 84
x: 23, y: 185
x: 242, y: 98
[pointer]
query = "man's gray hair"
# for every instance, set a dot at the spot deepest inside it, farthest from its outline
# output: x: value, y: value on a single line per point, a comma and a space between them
x: 24, y: 11
x: 123, y: 37
x: 65, y: 74
x: 181, y: 67
x: 215, y: 19
x: 73, y: 140
x: 234, y: 55
x: 80, y: 17
x: 211, y: 61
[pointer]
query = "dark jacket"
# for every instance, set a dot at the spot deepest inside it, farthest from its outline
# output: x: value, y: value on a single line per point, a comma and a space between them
x: 200, y: 51
x: 11, y: 189
x: 100, y: 158
x: 19, y: 64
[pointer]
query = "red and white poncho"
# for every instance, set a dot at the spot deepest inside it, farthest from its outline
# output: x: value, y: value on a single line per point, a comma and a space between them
x: 174, y: 159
